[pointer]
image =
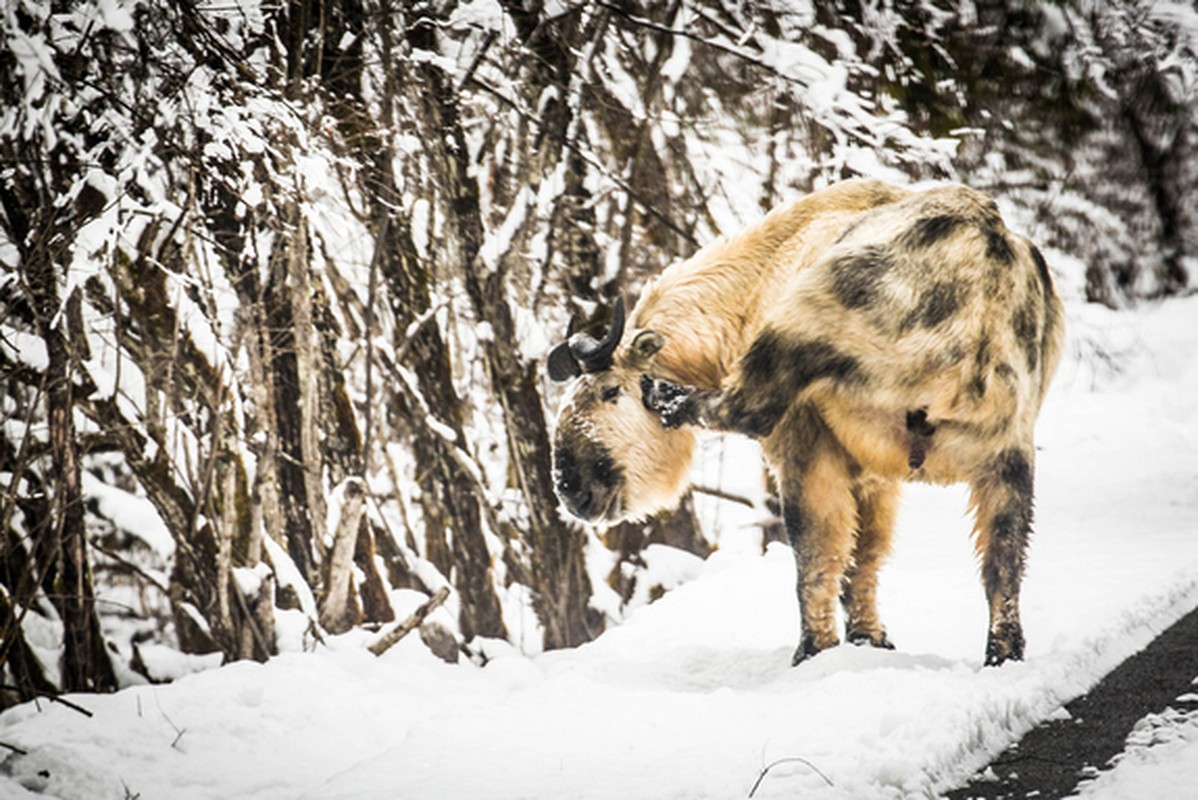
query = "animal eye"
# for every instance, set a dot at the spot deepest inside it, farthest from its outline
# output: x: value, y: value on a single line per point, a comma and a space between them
x: 610, y: 394
x: 604, y: 471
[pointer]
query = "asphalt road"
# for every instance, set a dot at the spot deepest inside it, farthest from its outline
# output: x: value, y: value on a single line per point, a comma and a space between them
x: 1051, y: 759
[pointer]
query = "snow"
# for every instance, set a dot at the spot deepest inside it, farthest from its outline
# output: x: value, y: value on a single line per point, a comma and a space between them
x: 693, y: 696
x: 1159, y: 761
x: 129, y: 512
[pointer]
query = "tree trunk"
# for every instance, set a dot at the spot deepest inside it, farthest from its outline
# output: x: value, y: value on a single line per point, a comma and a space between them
x: 86, y: 665
x: 339, y: 610
x: 295, y: 501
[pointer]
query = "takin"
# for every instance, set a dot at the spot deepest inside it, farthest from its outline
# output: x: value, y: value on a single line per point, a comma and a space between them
x: 866, y: 335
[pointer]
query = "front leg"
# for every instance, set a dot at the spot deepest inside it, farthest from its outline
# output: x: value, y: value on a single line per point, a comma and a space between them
x: 774, y: 372
x: 819, y: 510
x: 877, y: 508
x: 718, y: 410
x: 675, y: 404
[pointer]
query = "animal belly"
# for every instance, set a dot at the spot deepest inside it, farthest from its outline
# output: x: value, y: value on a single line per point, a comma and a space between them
x: 901, y: 443
x: 876, y: 438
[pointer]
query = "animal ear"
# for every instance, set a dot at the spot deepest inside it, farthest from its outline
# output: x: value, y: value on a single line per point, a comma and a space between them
x: 645, y: 345
x: 561, y: 364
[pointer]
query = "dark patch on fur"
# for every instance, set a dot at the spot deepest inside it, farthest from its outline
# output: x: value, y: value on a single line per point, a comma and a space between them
x: 917, y: 423
x: 921, y: 430
x: 917, y: 454
x: 773, y: 373
x: 927, y: 231
x: 797, y: 529
x: 936, y: 305
x: 1042, y: 269
x: 771, y: 357
x: 795, y: 521
x: 1006, y: 551
x: 944, y: 358
x: 857, y: 278
x: 998, y: 246
x: 977, y: 386
x: 1023, y: 323
x: 1015, y: 470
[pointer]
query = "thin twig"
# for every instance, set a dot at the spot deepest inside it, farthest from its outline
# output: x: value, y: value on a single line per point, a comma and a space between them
x: 711, y: 42
x: 588, y: 157
x: 14, y: 748
x: 178, y: 731
x: 720, y: 494
x: 410, y: 624
x: 416, y: 326
x: 54, y: 698
x: 371, y: 289
x: 488, y: 40
x: 792, y: 759
x: 124, y: 562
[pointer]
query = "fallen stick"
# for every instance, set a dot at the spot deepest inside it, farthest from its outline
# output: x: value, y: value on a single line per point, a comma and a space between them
x: 53, y: 698
x: 387, y: 640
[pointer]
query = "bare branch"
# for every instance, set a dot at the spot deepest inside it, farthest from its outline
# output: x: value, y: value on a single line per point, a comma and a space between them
x: 388, y: 640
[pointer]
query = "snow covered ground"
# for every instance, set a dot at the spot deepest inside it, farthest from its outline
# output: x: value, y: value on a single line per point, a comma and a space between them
x: 1160, y: 761
x: 693, y: 696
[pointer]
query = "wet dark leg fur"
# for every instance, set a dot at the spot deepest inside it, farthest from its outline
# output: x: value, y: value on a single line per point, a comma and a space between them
x: 1002, y: 499
x: 877, y: 505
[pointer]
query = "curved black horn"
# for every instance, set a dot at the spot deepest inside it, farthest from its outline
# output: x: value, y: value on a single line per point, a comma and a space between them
x: 595, y: 355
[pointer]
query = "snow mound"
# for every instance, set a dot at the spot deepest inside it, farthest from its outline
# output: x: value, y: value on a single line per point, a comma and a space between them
x: 693, y: 695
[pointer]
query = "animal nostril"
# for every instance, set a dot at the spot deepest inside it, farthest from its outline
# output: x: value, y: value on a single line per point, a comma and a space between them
x: 584, y: 503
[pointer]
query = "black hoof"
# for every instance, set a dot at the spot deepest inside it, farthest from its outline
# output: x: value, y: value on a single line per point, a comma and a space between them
x: 1004, y: 646
x: 804, y: 651
x: 667, y: 400
x: 881, y: 641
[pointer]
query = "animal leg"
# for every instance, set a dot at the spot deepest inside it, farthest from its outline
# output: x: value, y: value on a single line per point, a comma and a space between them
x: 877, y: 505
x: 819, y: 510
x: 772, y: 374
x: 1002, y: 502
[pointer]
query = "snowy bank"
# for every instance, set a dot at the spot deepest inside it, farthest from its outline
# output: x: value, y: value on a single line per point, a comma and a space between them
x: 693, y: 696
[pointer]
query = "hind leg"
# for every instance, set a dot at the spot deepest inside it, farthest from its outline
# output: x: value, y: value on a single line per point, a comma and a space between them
x: 819, y: 511
x: 1002, y: 502
x: 877, y: 506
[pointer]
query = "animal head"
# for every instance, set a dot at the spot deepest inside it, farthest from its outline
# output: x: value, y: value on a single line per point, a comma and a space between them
x: 612, y: 459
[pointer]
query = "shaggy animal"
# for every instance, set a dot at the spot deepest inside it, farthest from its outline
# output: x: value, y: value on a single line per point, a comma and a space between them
x: 866, y: 335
